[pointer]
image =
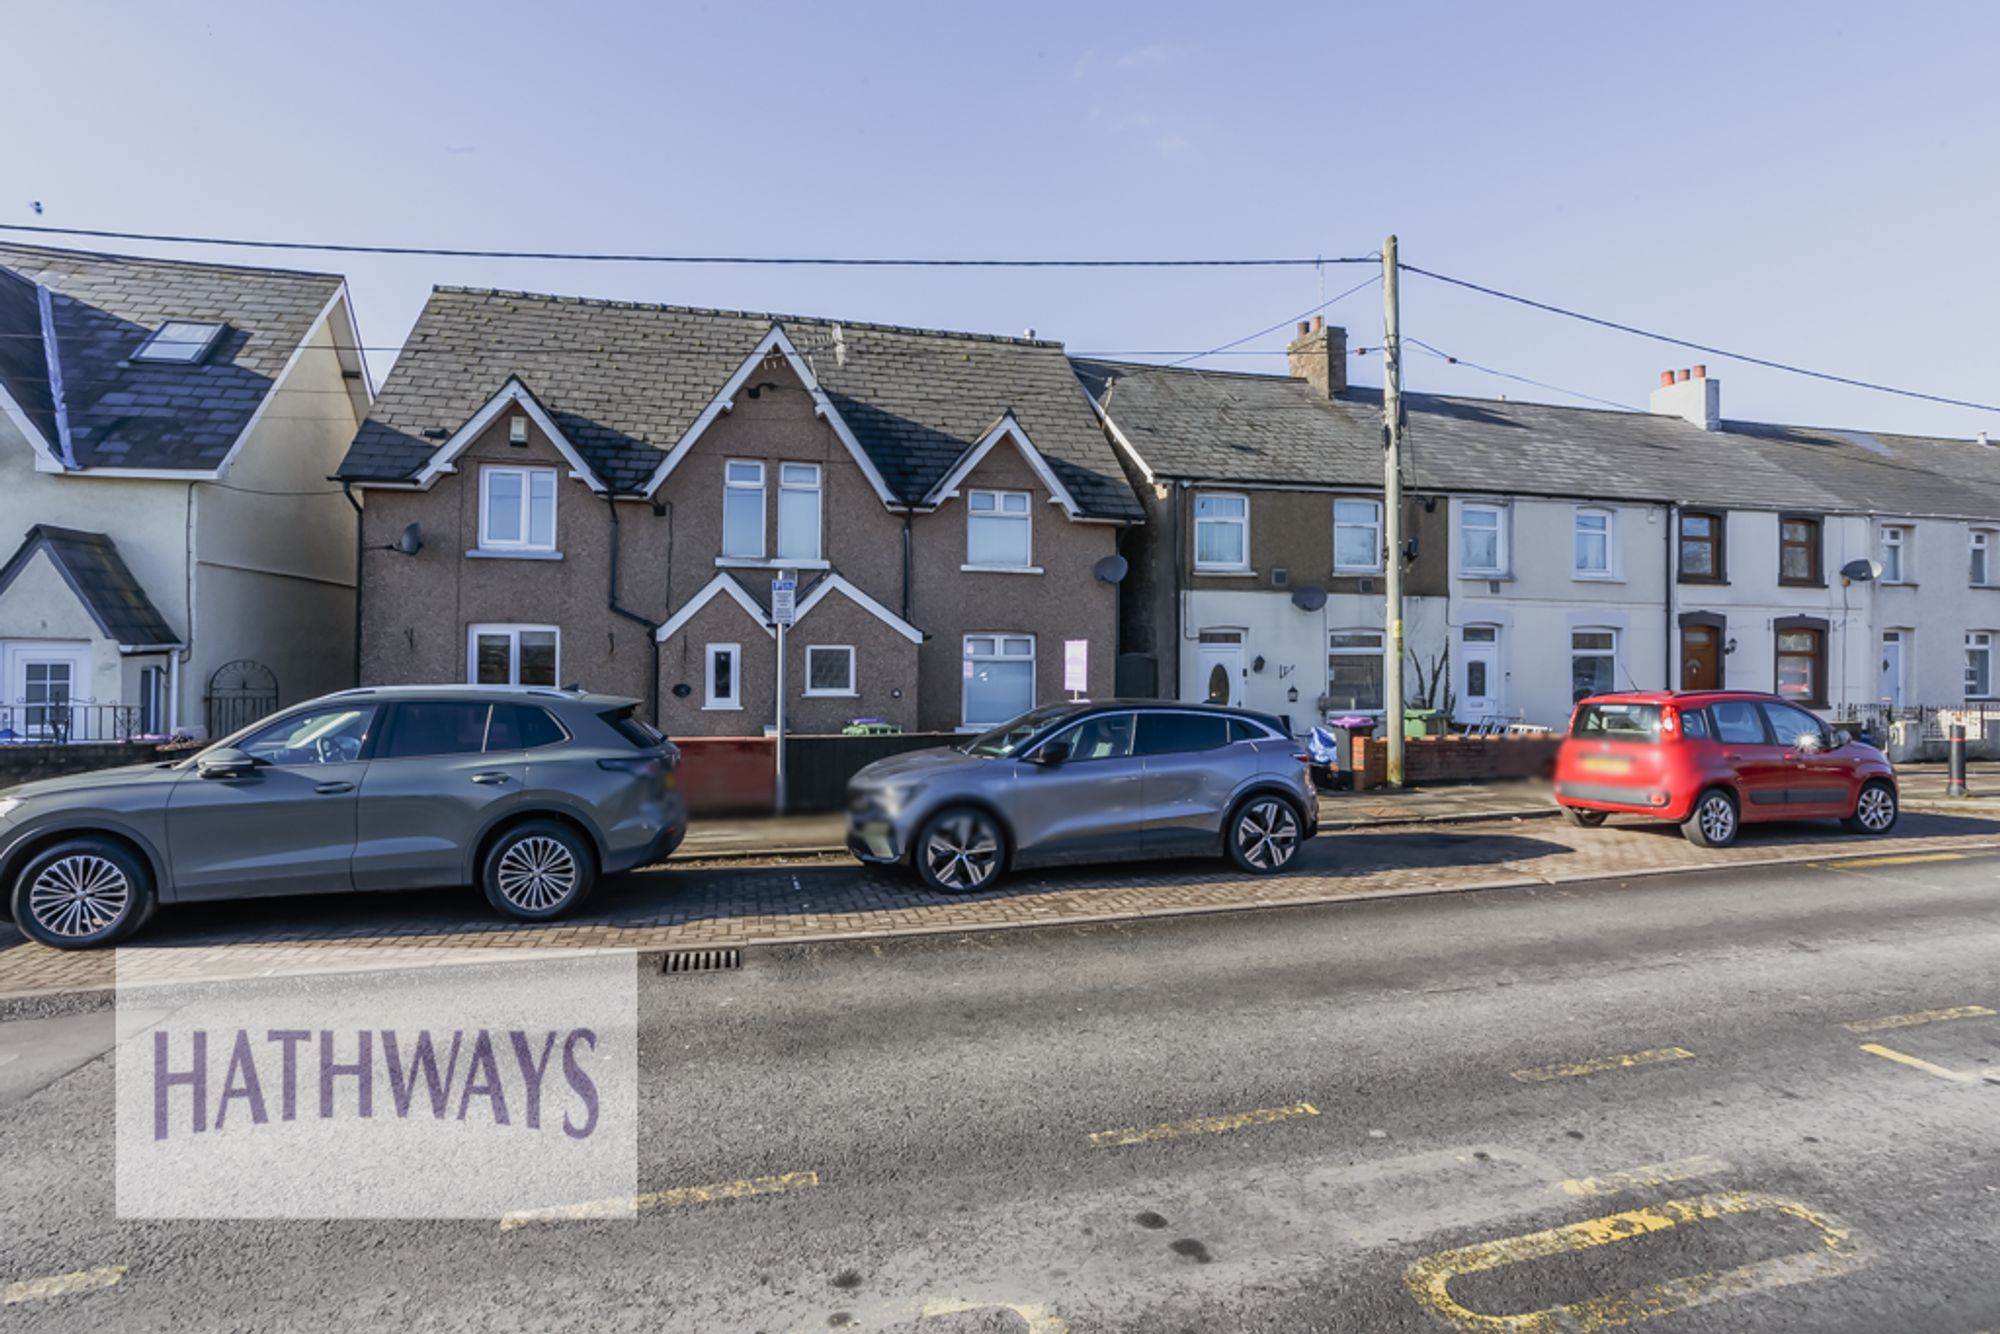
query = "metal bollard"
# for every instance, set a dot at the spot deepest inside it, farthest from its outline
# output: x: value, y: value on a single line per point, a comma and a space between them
x: 1955, y: 770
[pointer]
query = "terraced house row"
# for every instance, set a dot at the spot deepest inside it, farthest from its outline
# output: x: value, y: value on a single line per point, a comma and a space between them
x: 214, y: 513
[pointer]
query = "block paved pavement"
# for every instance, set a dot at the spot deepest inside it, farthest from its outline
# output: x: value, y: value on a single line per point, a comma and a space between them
x: 749, y: 904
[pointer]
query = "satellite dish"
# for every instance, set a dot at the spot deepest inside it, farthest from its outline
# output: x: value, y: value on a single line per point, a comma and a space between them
x: 1308, y: 597
x: 412, y: 540
x: 1861, y: 571
x: 1112, y: 569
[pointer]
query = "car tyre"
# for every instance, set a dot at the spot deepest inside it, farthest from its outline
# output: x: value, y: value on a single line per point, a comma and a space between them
x: 82, y: 893
x: 960, y: 850
x: 1264, y: 834
x: 1714, y: 821
x: 537, y: 870
x: 1583, y: 819
x: 1875, y: 809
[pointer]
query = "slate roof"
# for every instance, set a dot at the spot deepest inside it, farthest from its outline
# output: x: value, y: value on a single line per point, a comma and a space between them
x: 128, y: 414
x: 624, y: 381
x: 91, y: 565
x: 1240, y: 427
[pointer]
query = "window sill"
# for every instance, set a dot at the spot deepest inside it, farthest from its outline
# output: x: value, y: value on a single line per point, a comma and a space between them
x: 1582, y: 578
x: 505, y: 553
x: 831, y: 694
x: 1900, y: 583
x: 1001, y: 569
x: 722, y: 708
x: 1356, y: 572
x: 1703, y: 580
x: 1802, y: 583
x: 1487, y: 576
x: 1231, y: 572
x: 760, y: 563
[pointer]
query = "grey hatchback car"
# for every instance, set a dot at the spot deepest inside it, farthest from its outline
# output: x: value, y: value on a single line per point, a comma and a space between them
x: 529, y: 792
x: 1088, y: 782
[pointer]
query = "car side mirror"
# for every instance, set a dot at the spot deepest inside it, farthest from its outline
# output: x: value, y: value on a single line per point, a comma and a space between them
x: 1811, y: 742
x: 1053, y: 754
x: 225, y: 763
x: 1842, y: 737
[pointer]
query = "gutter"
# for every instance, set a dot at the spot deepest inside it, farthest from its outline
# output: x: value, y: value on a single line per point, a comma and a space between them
x: 1672, y: 576
x: 612, y: 603
x: 347, y: 490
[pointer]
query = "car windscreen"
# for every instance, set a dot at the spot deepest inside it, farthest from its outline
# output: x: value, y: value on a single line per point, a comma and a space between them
x: 634, y: 729
x: 1617, y: 722
x: 1009, y: 737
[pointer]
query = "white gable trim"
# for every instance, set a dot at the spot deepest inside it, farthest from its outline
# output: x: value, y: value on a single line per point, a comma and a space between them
x: 725, y: 401
x: 1118, y: 439
x: 513, y: 394
x: 860, y: 599
x: 50, y: 455
x: 1007, y: 428
x: 45, y: 452
x: 722, y: 584
x: 338, y: 299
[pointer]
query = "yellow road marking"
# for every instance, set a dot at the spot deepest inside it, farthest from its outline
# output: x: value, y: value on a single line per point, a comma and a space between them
x: 626, y: 1205
x: 1603, y: 1063
x: 1039, y: 1319
x: 60, y: 1285
x: 1652, y: 1174
x: 1897, y: 859
x: 1429, y: 1278
x: 1205, y: 1125
x: 1920, y: 1017
x: 1917, y: 1063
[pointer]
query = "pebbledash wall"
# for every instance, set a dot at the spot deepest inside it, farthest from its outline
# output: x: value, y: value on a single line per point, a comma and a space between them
x: 417, y: 611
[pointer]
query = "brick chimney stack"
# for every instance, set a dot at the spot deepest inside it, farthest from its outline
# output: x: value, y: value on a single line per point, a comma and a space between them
x: 1319, y: 357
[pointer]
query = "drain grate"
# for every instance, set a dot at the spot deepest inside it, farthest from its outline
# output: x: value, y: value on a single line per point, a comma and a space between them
x: 703, y: 961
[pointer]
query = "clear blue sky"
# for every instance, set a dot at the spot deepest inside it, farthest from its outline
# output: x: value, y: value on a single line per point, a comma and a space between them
x: 1812, y: 182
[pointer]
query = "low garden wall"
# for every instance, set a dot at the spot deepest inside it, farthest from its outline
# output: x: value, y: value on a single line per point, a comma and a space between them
x: 27, y: 762
x: 737, y: 775
x: 1457, y: 759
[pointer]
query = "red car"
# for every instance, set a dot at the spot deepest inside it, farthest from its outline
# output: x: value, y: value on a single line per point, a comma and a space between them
x: 1714, y: 760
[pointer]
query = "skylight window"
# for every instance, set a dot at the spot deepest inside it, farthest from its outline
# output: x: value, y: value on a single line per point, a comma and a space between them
x: 182, y: 342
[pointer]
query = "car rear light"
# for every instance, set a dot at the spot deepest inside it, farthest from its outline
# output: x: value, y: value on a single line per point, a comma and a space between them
x: 1304, y: 757
x: 1670, y: 720
x: 1656, y: 798
x: 640, y: 766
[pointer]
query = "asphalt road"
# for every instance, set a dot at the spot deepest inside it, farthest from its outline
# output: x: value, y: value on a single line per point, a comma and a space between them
x: 1610, y: 1103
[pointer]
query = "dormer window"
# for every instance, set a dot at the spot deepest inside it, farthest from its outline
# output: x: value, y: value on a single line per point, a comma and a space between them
x: 180, y: 342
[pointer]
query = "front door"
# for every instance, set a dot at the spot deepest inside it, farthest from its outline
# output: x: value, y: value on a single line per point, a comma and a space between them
x: 1701, y: 658
x: 1479, y: 674
x: 439, y: 775
x: 287, y: 826
x: 1751, y: 750
x: 1221, y: 661
x: 1086, y: 808
x: 1891, y: 692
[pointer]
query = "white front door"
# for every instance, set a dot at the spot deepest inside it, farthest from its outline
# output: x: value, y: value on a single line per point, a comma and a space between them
x: 43, y: 679
x: 1479, y: 674
x: 1891, y: 692
x: 1221, y: 662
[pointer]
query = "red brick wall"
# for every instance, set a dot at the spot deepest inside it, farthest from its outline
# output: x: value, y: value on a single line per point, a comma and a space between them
x: 1456, y: 759
x: 727, y: 775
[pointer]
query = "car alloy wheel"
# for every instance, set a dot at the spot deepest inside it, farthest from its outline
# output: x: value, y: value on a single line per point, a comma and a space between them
x: 961, y: 851
x: 536, y: 873
x: 79, y: 895
x: 1716, y: 818
x: 1876, y: 811
x: 1266, y: 834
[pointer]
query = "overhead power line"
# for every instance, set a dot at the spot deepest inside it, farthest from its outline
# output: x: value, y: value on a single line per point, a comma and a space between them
x: 1442, y: 355
x: 1708, y: 348
x: 593, y: 257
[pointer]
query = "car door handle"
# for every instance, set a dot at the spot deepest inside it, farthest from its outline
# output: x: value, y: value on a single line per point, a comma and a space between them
x: 492, y: 779
x: 1732, y: 754
x: 333, y: 789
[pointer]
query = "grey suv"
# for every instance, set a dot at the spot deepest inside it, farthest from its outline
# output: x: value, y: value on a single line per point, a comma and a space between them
x: 1088, y: 782
x: 531, y: 793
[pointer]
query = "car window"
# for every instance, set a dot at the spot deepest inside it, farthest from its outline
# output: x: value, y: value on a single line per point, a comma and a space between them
x: 524, y: 727
x: 1009, y: 737
x: 1243, y: 730
x: 1737, y: 722
x: 642, y: 735
x: 1694, y: 725
x: 1792, y: 726
x: 1618, y: 722
x: 319, y: 736
x: 1105, y: 737
x: 435, y: 727
x: 1175, y: 733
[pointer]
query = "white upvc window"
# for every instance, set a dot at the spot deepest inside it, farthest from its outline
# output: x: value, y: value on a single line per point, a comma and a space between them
x: 722, y: 677
x: 1593, y: 661
x: 1357, y: 536
x: 1594, y: 533
x: 1895, y: 554
x: 999, y: 678
x: 798, y: 511
x: 1979, y: 571
x: 743, y: 509
x: 1356, y: 664
x: 517, y: 509
x: 829, y: 669
x: 998, y: 530
x: 513, y: 655
x: 1979, y: 665
x: 1482, y: 540
x: 1221, y: 532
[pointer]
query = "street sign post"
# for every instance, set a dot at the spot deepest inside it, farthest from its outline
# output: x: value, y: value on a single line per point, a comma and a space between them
x: 784, y: 609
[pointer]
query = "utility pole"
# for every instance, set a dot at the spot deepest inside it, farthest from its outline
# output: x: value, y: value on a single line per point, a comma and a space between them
x: 1392, y: 510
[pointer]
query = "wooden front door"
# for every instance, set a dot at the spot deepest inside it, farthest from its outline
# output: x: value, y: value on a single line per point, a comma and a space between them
x: 1701, y: 658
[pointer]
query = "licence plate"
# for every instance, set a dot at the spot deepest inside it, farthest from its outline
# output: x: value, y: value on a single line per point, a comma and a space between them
x: 1602, y: 764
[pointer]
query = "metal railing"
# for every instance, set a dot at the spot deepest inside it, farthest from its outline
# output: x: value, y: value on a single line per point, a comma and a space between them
x: 67, y: 722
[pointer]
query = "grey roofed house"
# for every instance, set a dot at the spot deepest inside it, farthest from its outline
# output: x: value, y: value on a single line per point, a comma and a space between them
x: 1240, y: 427
x: 624, y: 382
x: 73, y: 323
x: 90, y: 564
